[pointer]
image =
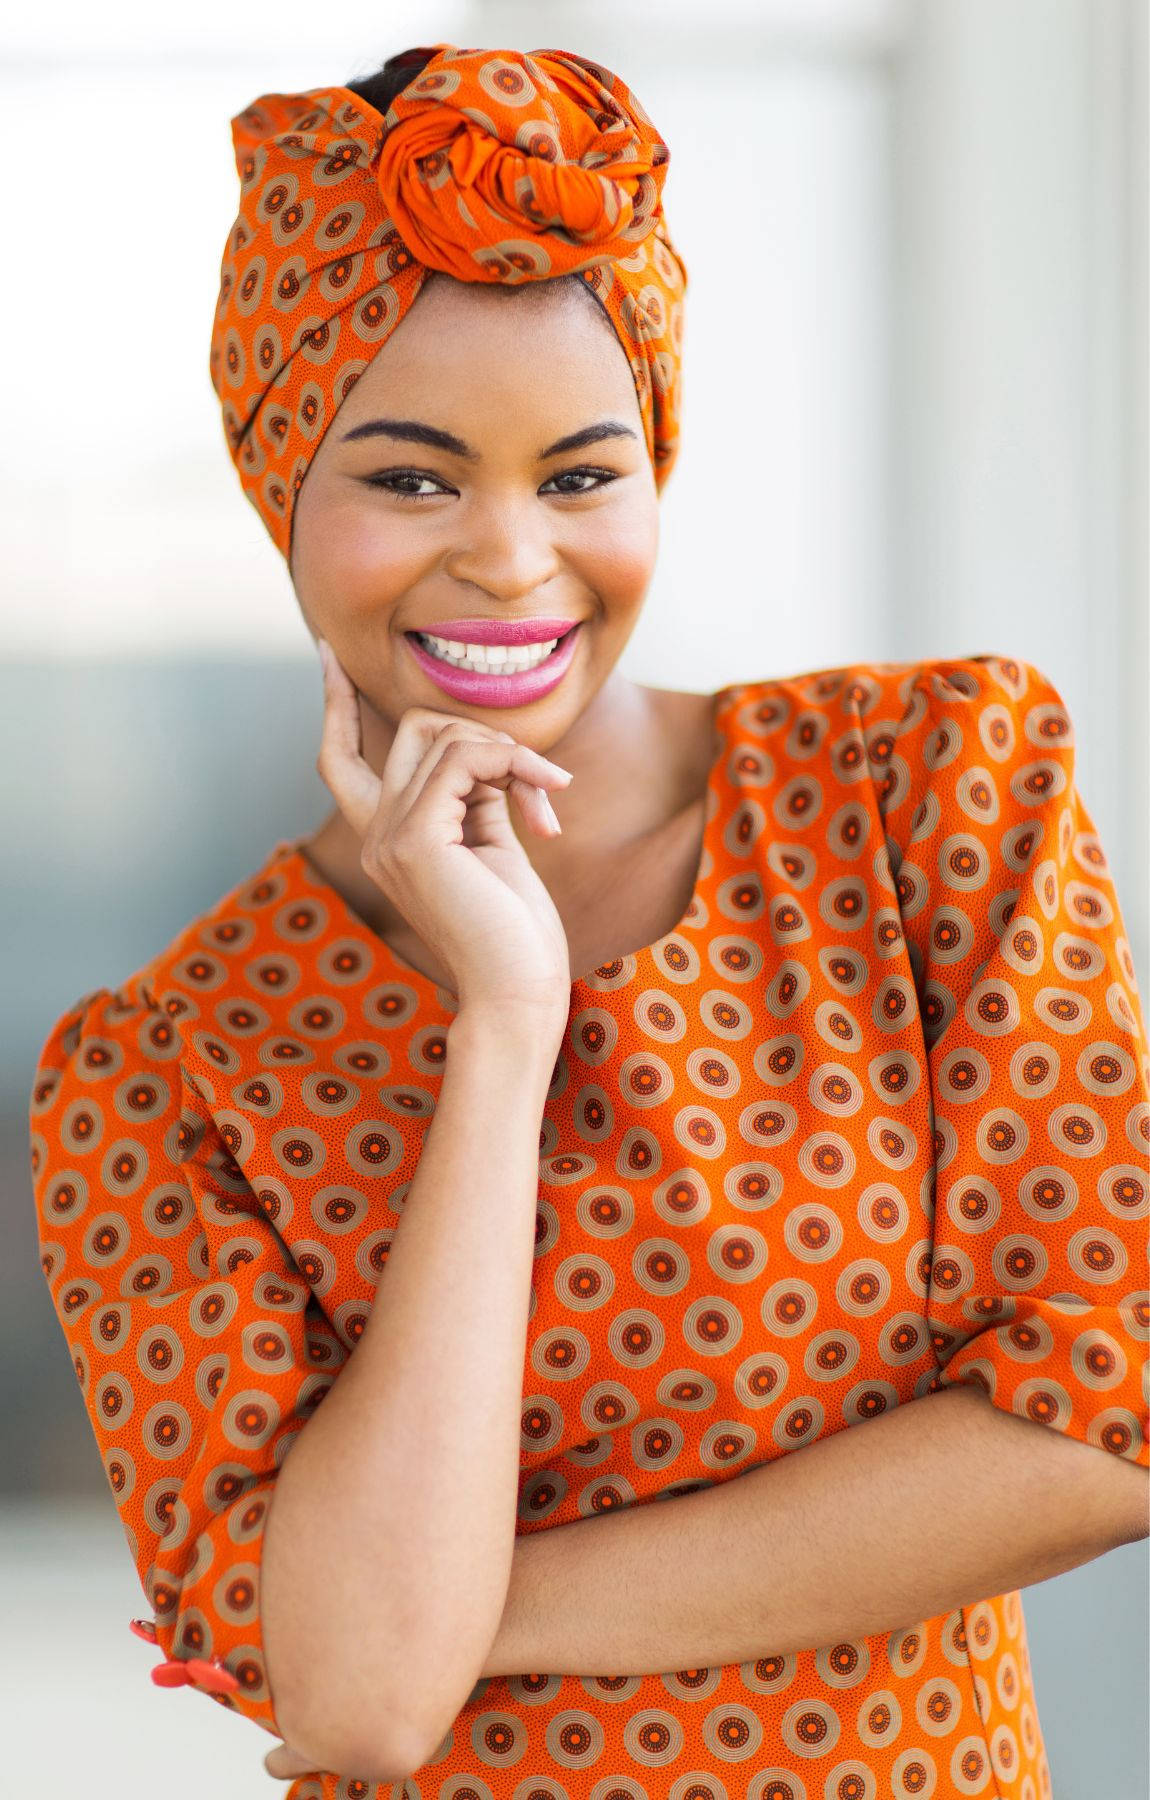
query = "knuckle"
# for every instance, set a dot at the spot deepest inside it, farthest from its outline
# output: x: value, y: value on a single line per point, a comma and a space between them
x: 417, y: 718
x: 463, y: 749
x: 371, y: 859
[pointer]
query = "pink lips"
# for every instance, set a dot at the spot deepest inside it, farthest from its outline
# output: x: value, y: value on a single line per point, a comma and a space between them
x: 499, y: 631
x: 477, y: 689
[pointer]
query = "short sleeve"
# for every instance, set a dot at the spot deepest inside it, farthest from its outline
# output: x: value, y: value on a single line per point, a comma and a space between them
x: 1036, y: 1052
x: 186, y: 1323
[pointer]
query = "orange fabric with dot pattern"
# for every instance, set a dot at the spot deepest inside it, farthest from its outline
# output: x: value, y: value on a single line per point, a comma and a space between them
x: 489, y: 165
x: 870, y: 1121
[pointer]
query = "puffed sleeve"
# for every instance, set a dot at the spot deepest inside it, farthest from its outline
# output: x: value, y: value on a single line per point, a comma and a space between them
x: 1036, y: 1053
x: 186, y: 1323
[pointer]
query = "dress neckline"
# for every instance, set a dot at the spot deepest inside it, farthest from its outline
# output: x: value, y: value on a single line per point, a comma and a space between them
x: 290, y: 851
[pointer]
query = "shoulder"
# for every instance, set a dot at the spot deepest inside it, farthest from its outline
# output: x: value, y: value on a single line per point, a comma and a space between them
x: 109, y: 1103
x: 120, y: 1071
x: 97, y: 1039
x: 120, y: 1110
x: 142, y: 1017
x: 899, y: 725
x: 904, y: 691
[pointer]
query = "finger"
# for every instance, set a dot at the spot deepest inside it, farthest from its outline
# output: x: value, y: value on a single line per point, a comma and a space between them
x: 341, y: 763
x: 420, y: 728
x: 423, y: 734
x: 339, y: 686
x: 532, y: 801
x: 487, y: 819
x: 535, y: 807
x: 353, y: 782
x: 356, y: 787
x: 517, y: 782
x: 452, y: 768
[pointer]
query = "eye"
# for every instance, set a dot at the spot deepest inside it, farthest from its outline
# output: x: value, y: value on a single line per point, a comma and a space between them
x: 385, y: 479
x: 390, y: 480
x: 600, y: 477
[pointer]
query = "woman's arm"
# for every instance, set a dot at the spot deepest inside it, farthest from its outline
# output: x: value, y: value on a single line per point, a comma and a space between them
x: 942, y: 1502
x: 390, y: 1537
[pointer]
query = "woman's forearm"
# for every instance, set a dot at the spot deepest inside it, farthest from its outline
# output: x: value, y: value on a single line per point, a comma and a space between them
x: 944, y: 1501
x: 391, y: 1530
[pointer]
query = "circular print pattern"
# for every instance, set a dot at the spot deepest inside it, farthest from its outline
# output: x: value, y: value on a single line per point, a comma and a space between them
x: 861, y: 1127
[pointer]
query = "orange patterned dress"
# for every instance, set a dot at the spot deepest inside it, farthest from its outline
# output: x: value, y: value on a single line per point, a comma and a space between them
x: 871, y: 1120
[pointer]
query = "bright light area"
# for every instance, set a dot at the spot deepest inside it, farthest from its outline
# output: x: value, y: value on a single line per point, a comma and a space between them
x: 78, y: 1691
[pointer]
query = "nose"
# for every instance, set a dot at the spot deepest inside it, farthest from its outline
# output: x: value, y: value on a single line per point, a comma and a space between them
x: 506, y: 551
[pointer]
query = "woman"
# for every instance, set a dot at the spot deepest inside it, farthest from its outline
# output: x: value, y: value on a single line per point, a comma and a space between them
x: 795, y: 1078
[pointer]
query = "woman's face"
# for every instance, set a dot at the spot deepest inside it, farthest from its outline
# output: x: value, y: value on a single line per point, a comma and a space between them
x: 394, y: 534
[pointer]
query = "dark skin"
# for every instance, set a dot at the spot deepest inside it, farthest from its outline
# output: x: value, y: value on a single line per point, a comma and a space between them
x: 506, y: 534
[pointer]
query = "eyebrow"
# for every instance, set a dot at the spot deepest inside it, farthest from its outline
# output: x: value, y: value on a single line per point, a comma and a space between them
x: 414, y: 431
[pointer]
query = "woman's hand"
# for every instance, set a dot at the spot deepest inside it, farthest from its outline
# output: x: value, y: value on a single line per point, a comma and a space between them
x: 437, y: 840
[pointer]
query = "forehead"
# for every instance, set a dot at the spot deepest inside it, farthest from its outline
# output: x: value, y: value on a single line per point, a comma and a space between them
x: 475, y: 332
x: 557, y: 291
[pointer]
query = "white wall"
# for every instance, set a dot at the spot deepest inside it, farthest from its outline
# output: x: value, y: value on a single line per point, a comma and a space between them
x: 1019, y: 477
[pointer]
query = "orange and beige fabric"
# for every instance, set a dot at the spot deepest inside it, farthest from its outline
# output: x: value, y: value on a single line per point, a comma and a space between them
x: 493, y: 166
x: 870, y: 1121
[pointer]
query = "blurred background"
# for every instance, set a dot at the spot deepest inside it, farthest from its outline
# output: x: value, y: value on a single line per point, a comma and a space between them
x: 915, y: 424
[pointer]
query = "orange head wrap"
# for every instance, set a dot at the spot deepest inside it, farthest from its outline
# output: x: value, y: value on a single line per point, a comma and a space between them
x: 490, y: 165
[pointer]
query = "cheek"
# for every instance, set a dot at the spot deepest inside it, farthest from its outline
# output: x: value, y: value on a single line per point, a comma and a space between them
x: 352, y: 553
x: 616, y: 553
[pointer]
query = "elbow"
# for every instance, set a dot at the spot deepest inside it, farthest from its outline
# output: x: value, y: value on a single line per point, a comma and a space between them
x: 391, y: 1751
x: 410, y: 1744
x: 378, y: 1764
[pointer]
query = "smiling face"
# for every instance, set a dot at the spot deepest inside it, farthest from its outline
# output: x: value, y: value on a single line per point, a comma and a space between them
x: 459, y: 514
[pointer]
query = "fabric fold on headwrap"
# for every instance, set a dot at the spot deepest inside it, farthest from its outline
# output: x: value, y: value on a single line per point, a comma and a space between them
x: 493, y: 166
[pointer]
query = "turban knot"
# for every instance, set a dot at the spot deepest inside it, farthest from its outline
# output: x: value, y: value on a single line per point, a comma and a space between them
x: 556, y: 157
x: 489, y: 166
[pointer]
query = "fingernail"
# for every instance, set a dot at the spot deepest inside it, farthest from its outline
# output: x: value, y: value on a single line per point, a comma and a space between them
x: 551, y: 813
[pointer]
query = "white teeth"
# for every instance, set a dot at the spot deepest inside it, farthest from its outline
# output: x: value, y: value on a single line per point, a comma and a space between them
x: 492, y: 659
